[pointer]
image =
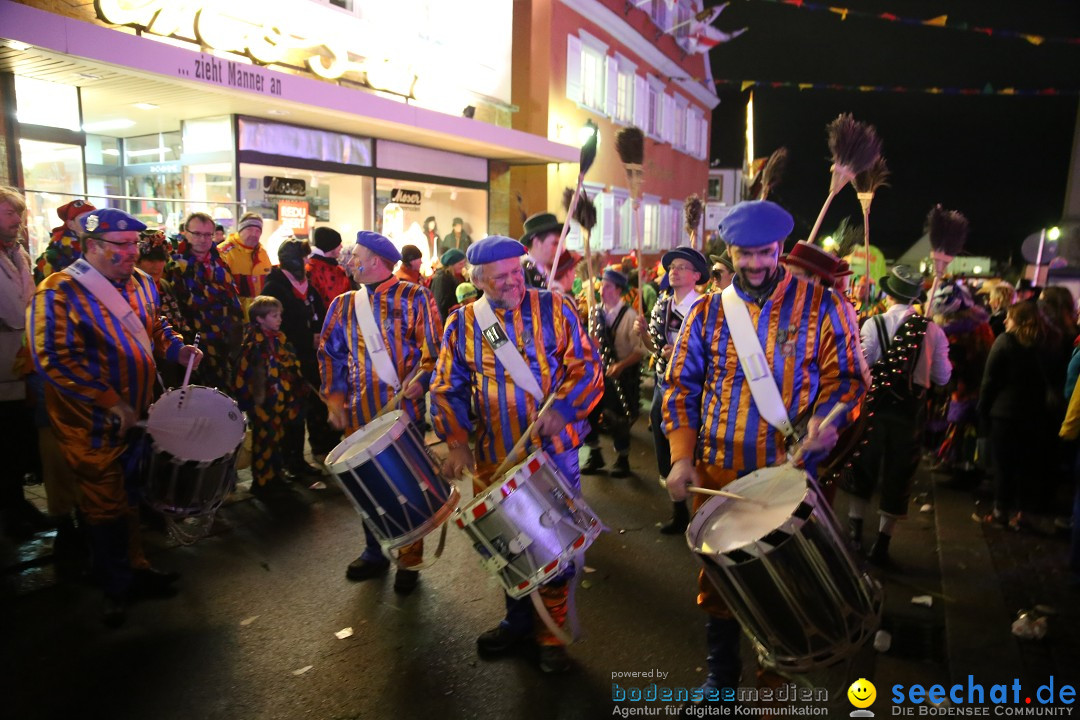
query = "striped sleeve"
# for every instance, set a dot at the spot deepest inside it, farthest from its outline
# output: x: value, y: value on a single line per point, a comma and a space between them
x: 684, y: 383
x: 451, y: 384
x: 426, y: 334
x: 582, y: 384
x: 841, y: 372
x: 333, y: 353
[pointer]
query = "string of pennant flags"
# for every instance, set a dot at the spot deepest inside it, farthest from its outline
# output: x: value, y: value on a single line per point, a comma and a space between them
x: 987, y: 89
x: 941, y: 21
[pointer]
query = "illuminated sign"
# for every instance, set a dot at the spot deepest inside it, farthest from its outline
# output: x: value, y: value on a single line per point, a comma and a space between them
x: 284, y: 186
x: 410, y: 198
x: 293, y: 214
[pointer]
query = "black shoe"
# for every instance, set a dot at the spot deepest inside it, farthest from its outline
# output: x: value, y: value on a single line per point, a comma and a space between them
x: 405, y: 580
x: 622, y: 467
x: 594, y: 465
x: 679, y: 520
x: 364, y: 569
x: 114, y: 611
x: 879, y: 553
x: 301, y: 469
x: 554, y: 660
x: 855, y: 530
x: 498, y: 641
x: 154, y: 576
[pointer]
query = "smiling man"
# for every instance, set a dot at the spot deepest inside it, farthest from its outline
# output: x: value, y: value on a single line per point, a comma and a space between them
x: 96, y: 335
x: 713, y: 422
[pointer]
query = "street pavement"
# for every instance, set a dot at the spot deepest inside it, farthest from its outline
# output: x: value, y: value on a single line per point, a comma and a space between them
x: 253, y: 631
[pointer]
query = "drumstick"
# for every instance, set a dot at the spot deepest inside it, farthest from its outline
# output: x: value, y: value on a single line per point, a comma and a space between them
x: 191, y: 361
x: 837, y: 410
x: 397, y: 398
x: 721, y: 493
x: 510, y: 460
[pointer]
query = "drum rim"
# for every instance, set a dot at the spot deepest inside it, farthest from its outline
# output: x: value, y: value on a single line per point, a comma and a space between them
x: 464, y: 515
x: 155, y: 442
x: 333, y: 461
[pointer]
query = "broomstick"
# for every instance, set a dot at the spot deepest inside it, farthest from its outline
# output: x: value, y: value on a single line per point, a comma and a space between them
x: 948, y: 230
x: 692, y: 209
x: 630, y: 144
x: 588, y: 154
x: 854, y: 146
x: 866, y: 184
x: 773, y: 172
x: 585, y: 214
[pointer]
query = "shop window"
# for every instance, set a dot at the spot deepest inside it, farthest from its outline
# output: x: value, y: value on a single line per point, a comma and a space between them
x: 402, y: 207
x: 156, y: 148
x: 299, y: 142
x: 53, y: 175
x: 46, y: 103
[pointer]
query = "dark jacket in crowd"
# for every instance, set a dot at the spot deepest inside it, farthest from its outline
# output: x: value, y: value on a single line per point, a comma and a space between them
x: 301, y: 320
x: 1015, y: 384
x: 443, y: 287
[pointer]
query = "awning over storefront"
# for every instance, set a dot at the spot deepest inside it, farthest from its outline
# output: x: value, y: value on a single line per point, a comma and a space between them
x: 115, y: 69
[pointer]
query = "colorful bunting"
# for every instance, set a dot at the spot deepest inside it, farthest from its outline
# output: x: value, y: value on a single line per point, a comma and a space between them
x: 941, y: 21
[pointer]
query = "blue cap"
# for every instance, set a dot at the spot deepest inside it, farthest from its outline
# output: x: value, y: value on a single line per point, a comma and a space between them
x: 755, y: 223
x: 616, y: 278
x: 493, y: 248
x: 378, y: 244
x: 692, y: 256
x: 109, y: 220
x: 451, y: 257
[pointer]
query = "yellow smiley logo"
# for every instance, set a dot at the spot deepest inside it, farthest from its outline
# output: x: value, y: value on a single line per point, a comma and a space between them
x: 862, y: 693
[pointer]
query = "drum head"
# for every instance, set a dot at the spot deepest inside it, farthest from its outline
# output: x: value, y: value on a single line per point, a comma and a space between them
x: 370, y: 440
x: 196, y: 423
x: 725, y: 524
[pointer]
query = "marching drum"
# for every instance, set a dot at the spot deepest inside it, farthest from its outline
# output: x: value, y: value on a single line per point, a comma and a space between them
x: 385, y: 470
x: 528, y: 527
x: 779, y: 561
x: 195, y: 432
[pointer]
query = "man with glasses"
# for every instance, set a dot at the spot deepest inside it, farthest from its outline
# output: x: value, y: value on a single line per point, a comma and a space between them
x: 96, y: 329
x: 208, y: 300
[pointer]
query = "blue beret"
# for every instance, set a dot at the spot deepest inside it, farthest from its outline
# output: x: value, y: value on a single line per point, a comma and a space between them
x: 492, y: 248
x: 451, y: 256
x: 378, y: 244
x: 616, y: 278
x: 755, y: 223
x: 109, y: 220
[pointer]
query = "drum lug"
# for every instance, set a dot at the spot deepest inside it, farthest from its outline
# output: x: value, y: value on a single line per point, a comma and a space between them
x: 517, y: 545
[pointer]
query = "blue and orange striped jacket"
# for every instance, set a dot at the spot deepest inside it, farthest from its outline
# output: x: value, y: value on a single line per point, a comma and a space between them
x: 91, y: 363
x: 410, y: 328
x: 546, y: 330
x: 812, y: 345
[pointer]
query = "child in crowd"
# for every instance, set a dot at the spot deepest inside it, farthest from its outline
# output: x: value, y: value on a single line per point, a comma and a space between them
x: 270, y: 389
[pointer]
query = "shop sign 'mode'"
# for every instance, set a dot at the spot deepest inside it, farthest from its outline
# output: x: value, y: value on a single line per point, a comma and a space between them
x: 260, y: 36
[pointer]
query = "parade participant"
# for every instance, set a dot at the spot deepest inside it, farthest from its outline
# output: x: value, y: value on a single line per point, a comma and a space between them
x: 409, y: 268
x: 96, y: 331
x: 326, y: 276
x: 219, y: 234
x: 447, y: 279
x: 722, y: 271
x: 709, y: 413
x: 621, y: 351
x: 354, y: 386
x: 458, y: 239
x: 208, y: 301
x: 811, y: 263
x: 541, y: 237
x: 269, y: 387
x: 20, y: 518
x: 154, y: 252
x: 899, y: 410
x: 246, y: 258
x: 302, y: 316
x: 1001, y: 297
x: 563, y: 282
x: 561, y: 361
x: 466, y: 293
x: 64, y: 247
x: 684, y: 268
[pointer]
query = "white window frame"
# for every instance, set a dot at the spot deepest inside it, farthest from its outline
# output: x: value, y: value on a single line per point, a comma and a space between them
x: 650, y: 216
x: 621, y: 238
x: 587, y: 62
x: 625, y: 95
x: 679, y: 137
x: 654, y: 108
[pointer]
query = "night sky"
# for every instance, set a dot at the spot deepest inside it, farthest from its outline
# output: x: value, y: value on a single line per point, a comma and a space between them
x: 1001, y: 160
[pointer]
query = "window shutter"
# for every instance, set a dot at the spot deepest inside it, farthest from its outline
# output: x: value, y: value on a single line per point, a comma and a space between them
x: 573, y: 68
x: 605, y: 212
x: 667, y: 122
x: 641, y: 101
x: 703, y: 130
x: 612, y: 86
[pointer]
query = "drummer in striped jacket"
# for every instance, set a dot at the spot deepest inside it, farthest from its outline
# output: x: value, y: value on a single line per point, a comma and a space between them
x: 406, y: 317
x: 716, y: 430
x: 563, y: 361
x: 101, y: 375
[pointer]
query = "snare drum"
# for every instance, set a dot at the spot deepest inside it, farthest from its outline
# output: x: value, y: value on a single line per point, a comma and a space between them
x: 386, y: 472
x: 783, y: 569
x: 528, y: 527
x: 195, y: 432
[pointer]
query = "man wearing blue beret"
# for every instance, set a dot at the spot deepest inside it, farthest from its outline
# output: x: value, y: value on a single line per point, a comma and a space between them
x: 556, y: 359
x: 358, y: 380
x: 715, y: 421
x: 96, y: 330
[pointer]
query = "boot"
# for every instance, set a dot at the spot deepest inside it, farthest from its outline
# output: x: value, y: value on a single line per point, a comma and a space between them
x: 855, y: 529
x: 109, y: 543
x: 879, y: 553
x: 723, y: 661
x: 622, y: 467
x: 595, y: 464
x: 680, y: 518
x: 71, y: 551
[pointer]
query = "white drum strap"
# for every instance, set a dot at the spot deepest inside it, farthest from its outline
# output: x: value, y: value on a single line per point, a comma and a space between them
x: 373, y: 340
x: 754, y: 363
x: 106, y: 294
x: 511, y: 359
